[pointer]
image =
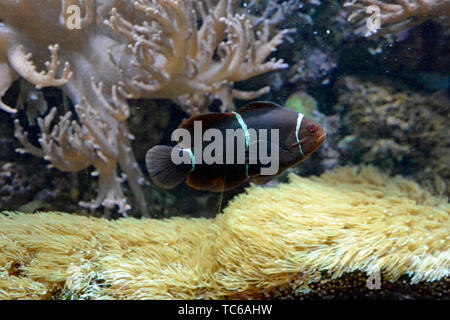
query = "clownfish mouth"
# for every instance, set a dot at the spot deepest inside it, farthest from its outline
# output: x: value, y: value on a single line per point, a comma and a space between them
x: 319, y: 140
x: 301, y: 141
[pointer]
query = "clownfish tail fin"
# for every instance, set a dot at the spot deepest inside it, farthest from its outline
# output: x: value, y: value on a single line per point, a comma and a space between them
x: 163, y: 171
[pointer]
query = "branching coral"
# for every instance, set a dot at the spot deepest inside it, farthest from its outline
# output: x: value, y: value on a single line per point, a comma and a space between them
x: 184, y: 63
x: 99, y: 137
x: 397, y: 15
x: 369, y: 223
x: 122, y: 49
x: 73, y: 146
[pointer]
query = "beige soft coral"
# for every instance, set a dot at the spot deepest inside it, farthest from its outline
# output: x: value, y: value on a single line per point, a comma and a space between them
x: 125, y: 49
x: 398, y: 15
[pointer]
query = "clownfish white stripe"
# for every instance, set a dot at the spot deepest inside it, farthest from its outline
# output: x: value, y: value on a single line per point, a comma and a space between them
x: 191, y: 155
x: 297, y: 129
x: 244, y: 127
x: 247, y: 135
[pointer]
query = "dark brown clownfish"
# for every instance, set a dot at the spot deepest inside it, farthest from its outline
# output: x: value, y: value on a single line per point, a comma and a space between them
x: 297, y: 137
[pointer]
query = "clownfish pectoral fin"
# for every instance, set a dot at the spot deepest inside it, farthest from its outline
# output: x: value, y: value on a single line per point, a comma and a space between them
x: 251, y: 157
x: 294, y: 145
x: 163, y: 172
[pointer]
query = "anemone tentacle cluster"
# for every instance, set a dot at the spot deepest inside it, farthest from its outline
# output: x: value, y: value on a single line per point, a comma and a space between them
x: 288, y: 245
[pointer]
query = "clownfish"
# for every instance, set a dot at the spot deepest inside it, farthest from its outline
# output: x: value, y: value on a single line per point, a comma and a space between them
x: 220, y: 151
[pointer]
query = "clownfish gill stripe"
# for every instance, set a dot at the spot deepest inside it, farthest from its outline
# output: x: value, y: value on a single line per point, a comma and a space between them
x: 297, y: 129
x: 247, y: 135
x: 191, y: 155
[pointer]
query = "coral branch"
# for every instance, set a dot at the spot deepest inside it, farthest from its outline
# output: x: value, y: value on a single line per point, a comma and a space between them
x: 23, y: 65
x: 6, y: 80
x: 397, y: 16
x: 72, y: 146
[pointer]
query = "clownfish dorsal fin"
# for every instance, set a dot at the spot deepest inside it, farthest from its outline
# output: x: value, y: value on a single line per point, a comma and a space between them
x: 258, y: 105
x: 209, y: 120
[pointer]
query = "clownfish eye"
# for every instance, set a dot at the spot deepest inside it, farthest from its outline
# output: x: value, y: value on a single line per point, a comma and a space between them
x: 311, y: 127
